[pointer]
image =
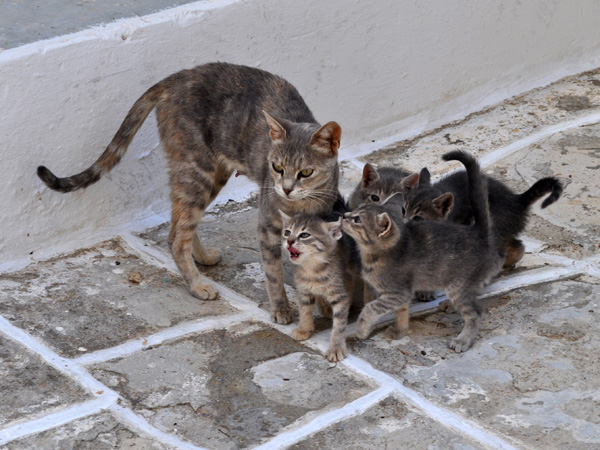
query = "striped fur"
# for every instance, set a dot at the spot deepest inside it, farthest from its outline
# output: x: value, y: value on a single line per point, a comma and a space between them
x: 211, y: 122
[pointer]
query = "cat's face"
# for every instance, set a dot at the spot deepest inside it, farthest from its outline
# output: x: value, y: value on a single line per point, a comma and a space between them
x: 307, y: 239
x: 371, y: 227
x: 303, y: 159
x: 422, y: 201
x: 377, y: 186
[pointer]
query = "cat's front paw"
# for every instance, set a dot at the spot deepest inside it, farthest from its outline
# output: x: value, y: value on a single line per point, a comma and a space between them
x: 336, y: 353
x: 282, y: 316
x: 424, y: 296
x: 301, y: 335
x: 363, y: 329
x: 203, y: 291
x: 460, y: 345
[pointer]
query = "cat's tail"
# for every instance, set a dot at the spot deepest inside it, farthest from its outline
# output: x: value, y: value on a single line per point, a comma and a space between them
x: 540, y: 188
x: 476, y: 187
x: 115, y: 150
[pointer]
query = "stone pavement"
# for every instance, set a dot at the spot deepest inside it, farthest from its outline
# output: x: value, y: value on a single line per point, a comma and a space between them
x: 104, y: 348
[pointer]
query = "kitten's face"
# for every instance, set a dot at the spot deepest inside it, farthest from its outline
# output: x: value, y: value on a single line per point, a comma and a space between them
x: 371, y: 227
x: 424, y: 204
x: 303, y: 159
x: 308, y: 239
x: 377, y: 186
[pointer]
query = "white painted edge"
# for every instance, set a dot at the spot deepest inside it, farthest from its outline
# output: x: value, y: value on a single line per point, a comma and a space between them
x: 140, y: 424
x: 319, y: 423
x: 54, y: 420
x: 178, y: 331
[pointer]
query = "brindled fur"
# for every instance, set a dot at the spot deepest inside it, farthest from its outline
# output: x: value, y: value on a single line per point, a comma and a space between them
x: 326, y: 265
x: 399, y: 258
x: 216, y: 119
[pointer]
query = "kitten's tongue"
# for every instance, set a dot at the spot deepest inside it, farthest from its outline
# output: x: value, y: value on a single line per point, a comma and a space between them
x: 294, y: 253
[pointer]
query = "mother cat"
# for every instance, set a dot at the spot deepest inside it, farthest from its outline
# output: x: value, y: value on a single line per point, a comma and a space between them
x: 212, y: 121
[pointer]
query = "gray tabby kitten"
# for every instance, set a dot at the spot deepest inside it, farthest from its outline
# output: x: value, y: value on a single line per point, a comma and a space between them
x: 211, y: 122
x: 400, y: 258
x: 325, y: 263
x: 377, y: 185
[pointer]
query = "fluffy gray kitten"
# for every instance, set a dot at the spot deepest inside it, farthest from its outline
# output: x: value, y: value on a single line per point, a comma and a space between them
x: 325, y: 265
x: 377, y: 185
x: 400, y: 258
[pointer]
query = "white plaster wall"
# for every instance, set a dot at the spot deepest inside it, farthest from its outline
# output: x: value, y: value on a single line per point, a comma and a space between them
x: 383, y: 70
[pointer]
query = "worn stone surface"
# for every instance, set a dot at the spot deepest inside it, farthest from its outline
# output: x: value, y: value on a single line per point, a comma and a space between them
x: 84, y: 301
x: 229, y: 389
x: 530, y: 374
x: 29, y: 387
x: 389, y: 425
x: 98, y: 432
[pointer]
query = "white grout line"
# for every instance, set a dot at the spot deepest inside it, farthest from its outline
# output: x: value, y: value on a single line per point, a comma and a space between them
x: 54, y: 420
x: 503, y: 152
x: 322, y: 421
x: 177, y: 331
x: 140, y: 424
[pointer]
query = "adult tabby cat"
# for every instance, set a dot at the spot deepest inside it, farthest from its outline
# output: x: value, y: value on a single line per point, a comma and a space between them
x: 212, y: 122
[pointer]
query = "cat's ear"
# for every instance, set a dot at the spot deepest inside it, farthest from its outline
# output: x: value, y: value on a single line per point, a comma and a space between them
x: 369, y: 175
x: 424, y: 177
x: 285, y: 219
x: 327, y: 139
x: 384, y: 225
x: 335, y: 229
x: 277, y: 132
x: 409, y: 183
x: 443, y: 203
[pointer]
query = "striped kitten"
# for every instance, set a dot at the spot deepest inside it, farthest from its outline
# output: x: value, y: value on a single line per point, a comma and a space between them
x: 400, y: 258
x: 211, y: 123
x: 377, y: 185
x: 447, y: 199
x: 325, y: 263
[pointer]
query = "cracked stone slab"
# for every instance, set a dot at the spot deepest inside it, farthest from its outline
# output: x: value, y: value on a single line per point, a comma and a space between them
x: 97, y: 298
x: 97, y: 432
x: 30, y: 387
x: 389, y: 424
x: 229, y: 389
x: 532, y: 374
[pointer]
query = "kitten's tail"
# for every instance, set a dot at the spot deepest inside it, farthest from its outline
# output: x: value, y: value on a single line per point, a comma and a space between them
x: 115, y: 150
x: 539, y: 189
x: 477, y: 188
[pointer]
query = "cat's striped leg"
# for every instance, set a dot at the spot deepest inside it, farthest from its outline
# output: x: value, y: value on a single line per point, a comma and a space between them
x: 400, y: 326
x: 306, y: 325
x: 465, y: 302
x: 385, y: 303
x: 340, y: 306
x: 270, y: 249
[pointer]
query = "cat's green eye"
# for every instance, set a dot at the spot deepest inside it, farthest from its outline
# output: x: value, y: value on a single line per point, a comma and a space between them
x: 304, y: 235
x: 286, y: 233
x: 305, y: 173
x: 277, y: 168
x: 375, y: 198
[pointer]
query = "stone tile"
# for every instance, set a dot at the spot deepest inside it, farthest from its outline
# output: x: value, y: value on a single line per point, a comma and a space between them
x: 390, y: 424
x: 30, y: 387
x: 530, y: 375
x: 84, y: 301
x: 98, y: 432
x: 571, y: 226
x: 229, y: 389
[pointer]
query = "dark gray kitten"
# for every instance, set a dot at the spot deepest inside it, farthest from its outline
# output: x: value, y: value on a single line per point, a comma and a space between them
x: 325, y: 265
x: 448, y: 200
x: 377, y: 185
x: 400, y: 258
x: 212, y: 122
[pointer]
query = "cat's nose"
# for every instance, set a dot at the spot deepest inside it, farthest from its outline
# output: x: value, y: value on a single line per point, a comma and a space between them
x: 287, y: 191
x: 291, y: 242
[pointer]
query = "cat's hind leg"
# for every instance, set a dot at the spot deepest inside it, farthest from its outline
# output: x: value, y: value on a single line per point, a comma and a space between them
x: 209, y: 256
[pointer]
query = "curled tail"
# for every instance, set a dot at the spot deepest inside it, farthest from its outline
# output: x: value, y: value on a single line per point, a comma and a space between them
x: 113, y: 153
x: 539, y: 189
x: 477, y: 188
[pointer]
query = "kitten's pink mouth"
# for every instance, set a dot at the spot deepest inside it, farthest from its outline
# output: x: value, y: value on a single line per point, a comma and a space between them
x: 294, y: 253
